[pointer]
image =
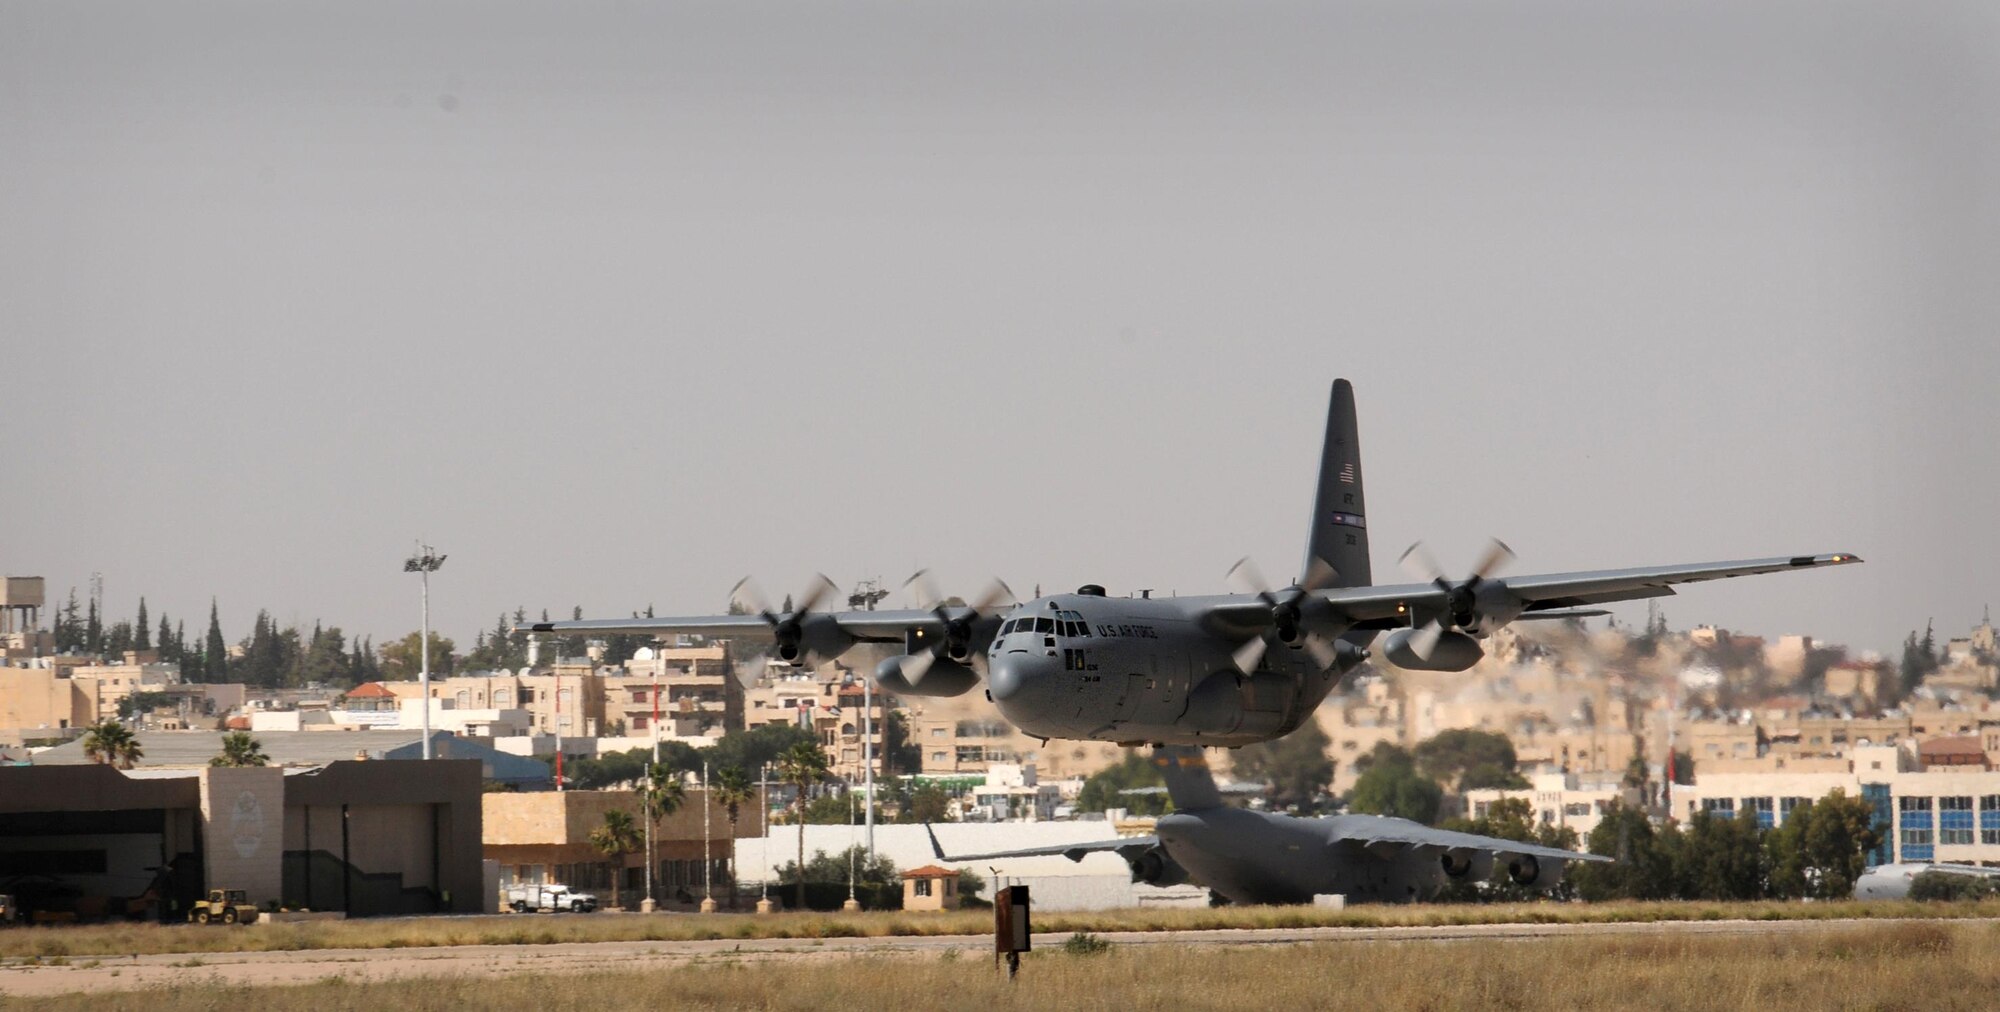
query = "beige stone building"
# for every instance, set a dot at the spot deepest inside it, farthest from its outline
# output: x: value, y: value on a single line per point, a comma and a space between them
x: 544, y: 837
x: 697, y: 694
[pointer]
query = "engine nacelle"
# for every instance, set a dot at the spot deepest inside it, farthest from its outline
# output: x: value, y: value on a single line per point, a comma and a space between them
x: 945, y: 678
x: 1455, y: 651
x: 1153, y: 867
x: 1525, y: 870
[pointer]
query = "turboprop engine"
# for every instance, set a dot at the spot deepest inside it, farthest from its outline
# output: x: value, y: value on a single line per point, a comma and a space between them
x: 942, y: 677
x: 1454, y: 651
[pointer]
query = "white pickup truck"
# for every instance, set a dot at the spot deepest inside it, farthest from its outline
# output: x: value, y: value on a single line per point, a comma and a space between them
x: 525, y: 898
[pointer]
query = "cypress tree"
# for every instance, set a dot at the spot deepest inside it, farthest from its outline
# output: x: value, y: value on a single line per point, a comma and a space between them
x: 93, y: 630
x: 215, y: 653
x: 142, y: 632
x: 69, y: 627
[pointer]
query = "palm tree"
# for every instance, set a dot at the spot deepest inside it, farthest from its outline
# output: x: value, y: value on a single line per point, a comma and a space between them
x: 732, y: 790
x: 239, y: 749
x: 802, y: 765
x: 660, y: 795
x: 113, y: 744
x: 618, y: 837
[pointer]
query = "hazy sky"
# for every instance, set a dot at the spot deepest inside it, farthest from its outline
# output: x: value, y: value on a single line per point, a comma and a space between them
x: 616, y: 303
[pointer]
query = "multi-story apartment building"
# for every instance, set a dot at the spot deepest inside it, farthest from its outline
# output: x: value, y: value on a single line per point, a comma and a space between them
x: 696, y: 693
x: 832, y: 701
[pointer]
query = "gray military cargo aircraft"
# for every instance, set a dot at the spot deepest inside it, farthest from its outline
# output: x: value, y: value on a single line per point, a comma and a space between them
x: 1221, y: 670
x: 1257, y: 857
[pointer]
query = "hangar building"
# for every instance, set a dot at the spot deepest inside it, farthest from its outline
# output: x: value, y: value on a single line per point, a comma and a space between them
x: 87, y: 842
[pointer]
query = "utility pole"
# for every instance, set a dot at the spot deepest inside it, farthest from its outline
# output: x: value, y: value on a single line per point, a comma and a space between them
x: 425, y: 561
x: 707, y: 863
x: 868, y: 758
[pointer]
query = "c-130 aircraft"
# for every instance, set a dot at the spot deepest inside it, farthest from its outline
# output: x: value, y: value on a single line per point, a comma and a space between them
x: 1221, y: 670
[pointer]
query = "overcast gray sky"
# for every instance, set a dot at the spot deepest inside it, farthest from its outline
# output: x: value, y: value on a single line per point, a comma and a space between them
x: 615, y: 305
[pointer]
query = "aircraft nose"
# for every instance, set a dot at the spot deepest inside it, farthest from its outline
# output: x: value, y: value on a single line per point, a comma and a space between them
x: 1008, y: 676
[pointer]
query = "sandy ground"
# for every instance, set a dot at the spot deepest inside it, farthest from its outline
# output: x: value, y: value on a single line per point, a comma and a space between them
x: 18, y: 978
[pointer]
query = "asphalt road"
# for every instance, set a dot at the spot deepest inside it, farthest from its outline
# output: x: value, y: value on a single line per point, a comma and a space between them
x: 357, y: 965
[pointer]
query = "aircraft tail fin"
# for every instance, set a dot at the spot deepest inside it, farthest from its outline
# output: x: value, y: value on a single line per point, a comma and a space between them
x: 1189, y: 783
x: 1340, y: 515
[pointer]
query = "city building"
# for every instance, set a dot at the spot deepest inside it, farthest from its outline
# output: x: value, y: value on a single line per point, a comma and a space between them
x: 1946, y: 813
x: 544, y: 838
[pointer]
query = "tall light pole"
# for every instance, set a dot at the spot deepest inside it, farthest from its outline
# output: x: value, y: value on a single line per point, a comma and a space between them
x: 425, y: 561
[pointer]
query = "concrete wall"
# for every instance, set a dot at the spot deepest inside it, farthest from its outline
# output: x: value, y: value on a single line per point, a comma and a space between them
x: 243, y: 830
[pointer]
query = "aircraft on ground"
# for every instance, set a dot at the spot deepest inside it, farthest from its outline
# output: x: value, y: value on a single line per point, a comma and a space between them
x: 1893, y: 881
x: 1242, y: 856
x: 1222, y: 670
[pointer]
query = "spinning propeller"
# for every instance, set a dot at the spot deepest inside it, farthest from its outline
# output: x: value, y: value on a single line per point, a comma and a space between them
x: 956, y: 643
x: 788, y: 630
x: 1461, y: 598
x: 1285, y: 604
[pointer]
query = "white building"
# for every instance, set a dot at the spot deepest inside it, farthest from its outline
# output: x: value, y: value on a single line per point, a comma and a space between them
x: 1560, y: 799
x: 1943, y: 813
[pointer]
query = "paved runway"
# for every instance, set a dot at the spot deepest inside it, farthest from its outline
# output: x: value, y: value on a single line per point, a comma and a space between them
x: 357, y: 965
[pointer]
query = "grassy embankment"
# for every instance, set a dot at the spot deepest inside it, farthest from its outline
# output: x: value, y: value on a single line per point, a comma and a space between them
x: 535, y: 929
x: 1932, y: 966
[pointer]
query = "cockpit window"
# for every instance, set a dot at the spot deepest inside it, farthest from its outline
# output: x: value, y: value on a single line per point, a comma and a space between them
x: 1045, y: 625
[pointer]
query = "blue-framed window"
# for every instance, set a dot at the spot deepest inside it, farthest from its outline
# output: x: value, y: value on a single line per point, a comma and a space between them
x: 1955, y: 821
x: 1989, y: 819
x: 1720, y: 807
x: 1877, y: 796
x: 1762, y: 806
x: 1914, y: 836
x: 1786, y: 806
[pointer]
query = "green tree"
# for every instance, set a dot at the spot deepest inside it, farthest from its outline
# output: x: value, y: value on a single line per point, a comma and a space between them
x: 832, y: 810
x: 902, y: 755
x: 826, y: 868
x: 1837, y: 841
x: 215, y: 650
x: 802, y: 765
x: 403, y: 659
x: 169, y: 647
x: 142, y: 629
x: 118, y: 639
x: 93, y: 629
x: 142, y: 703
x: 732, y: 790
x: 1295, y: 767
x: 661, y: 794
x: 1721, y: 858
x: 754, y: 748
x: 112, y: 744
x: 240, y: 749
x: 1107, y: 787
x: 69, y: 630
x: 1464, y: 759
x: 1640, y: 868
x: 617, y: 837
x: 1391, y: 785
x: 928, y: 802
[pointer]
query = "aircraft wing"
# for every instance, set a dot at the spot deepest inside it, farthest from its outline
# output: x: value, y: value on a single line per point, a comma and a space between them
x: 1386, y: 836
x: 862, y: 626
x: 1372, y: 607
x: 1126, y: 847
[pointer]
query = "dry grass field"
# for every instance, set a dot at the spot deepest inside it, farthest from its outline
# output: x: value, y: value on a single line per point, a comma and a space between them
x: 536, y: 929
x: 1938, y: 965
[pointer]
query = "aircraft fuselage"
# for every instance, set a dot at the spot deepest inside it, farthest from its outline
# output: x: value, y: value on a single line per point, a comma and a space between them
x: 1144, y: 670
